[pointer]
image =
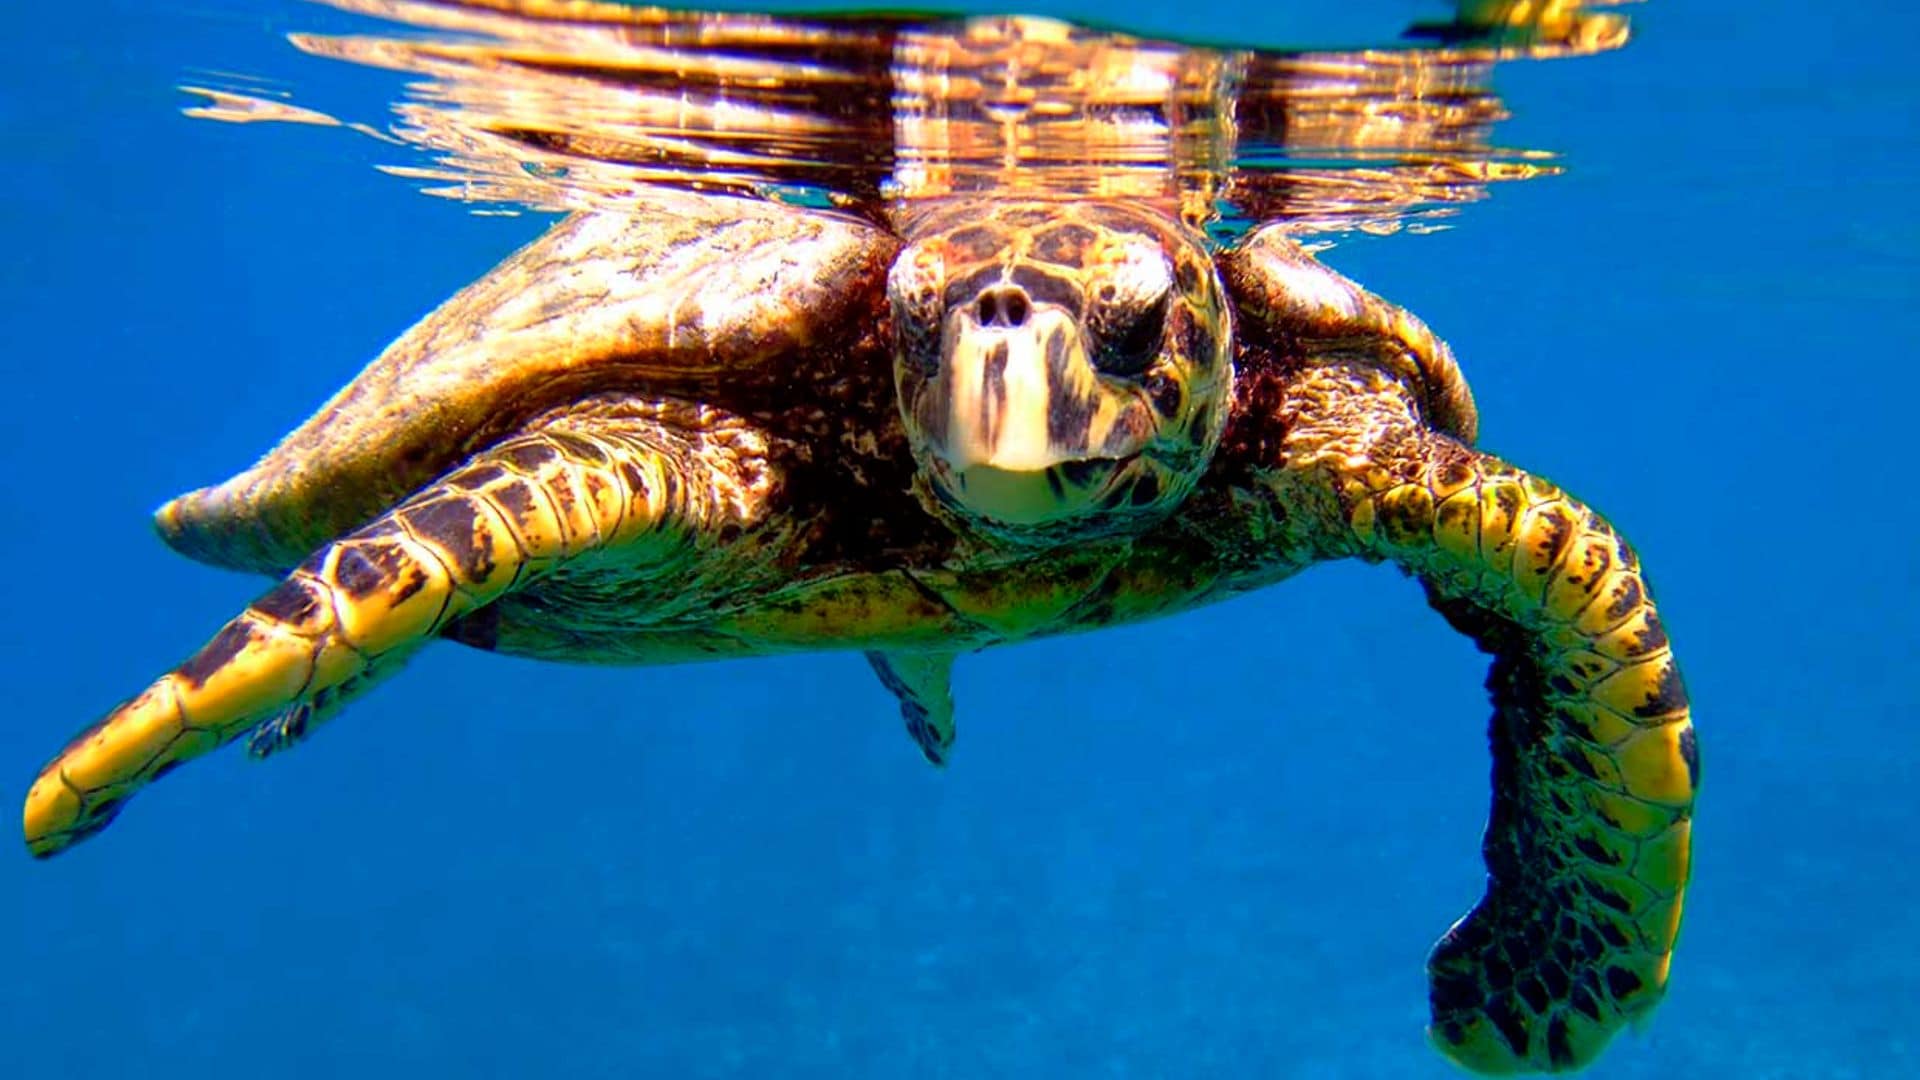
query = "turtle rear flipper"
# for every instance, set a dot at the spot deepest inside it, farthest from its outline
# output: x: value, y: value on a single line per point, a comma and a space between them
x: 589, y: 483
x: 1587, y: 845
x: 923, y: 683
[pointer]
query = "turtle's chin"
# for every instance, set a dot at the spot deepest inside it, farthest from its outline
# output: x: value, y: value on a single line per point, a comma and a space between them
x: 1029, y: 497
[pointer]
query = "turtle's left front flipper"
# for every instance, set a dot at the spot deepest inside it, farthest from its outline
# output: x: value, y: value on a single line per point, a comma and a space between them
x: 595, y: 484
x: 1594, y: 761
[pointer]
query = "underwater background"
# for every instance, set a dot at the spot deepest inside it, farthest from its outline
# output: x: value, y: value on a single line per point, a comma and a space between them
x: 1214, y: 845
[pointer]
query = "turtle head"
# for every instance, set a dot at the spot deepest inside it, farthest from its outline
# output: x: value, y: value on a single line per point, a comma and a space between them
x: 1064, y: 369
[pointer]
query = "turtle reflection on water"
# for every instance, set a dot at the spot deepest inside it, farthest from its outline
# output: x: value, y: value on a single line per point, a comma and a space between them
x: 724, y: 426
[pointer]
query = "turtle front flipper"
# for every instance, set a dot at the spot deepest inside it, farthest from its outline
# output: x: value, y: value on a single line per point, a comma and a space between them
x: 923, y: 682
x: 1594, y: 761
x: 596, y: 483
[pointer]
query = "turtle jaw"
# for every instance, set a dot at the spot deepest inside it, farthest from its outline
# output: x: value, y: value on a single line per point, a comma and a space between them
x: 1030, y: 497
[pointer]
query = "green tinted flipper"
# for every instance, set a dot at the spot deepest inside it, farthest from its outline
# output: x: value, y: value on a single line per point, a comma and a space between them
x: 923, y: 681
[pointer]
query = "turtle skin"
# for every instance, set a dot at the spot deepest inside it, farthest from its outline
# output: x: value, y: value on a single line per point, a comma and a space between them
x: 738, y: 429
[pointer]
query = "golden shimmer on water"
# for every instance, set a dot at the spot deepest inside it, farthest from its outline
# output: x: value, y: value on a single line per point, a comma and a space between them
x: 535, y: 104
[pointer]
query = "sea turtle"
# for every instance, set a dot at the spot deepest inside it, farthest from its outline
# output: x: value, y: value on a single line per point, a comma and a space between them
x: 741, y: 428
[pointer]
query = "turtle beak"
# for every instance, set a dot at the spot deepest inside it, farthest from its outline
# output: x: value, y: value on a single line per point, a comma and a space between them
x: 1007, y: 368
x: 1020, y: 404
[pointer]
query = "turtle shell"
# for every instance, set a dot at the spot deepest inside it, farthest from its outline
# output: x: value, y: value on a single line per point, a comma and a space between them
x: 701, y: 295
x: 1286, y: 294
x: 703, y: 298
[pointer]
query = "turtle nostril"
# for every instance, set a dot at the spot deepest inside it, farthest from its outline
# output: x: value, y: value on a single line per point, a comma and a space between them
x: 1003, y: 306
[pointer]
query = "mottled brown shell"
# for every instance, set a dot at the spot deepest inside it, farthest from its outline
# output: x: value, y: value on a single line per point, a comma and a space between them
x: 696, y: 298
x: 1309, y: 310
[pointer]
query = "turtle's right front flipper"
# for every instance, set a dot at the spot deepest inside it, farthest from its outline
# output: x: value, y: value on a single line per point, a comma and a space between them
x: 604, y: 483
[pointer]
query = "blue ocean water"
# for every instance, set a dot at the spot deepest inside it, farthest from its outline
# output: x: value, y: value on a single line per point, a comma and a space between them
x: 1215, y: 845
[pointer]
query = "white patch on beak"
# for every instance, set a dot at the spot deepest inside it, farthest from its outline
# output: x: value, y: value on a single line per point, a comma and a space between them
x: 1000, y: 392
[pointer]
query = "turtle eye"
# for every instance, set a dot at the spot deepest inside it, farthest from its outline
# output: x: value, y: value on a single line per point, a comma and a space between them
x: 1126, y: 341
x: 914, y: 282
x: 913, y: 285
